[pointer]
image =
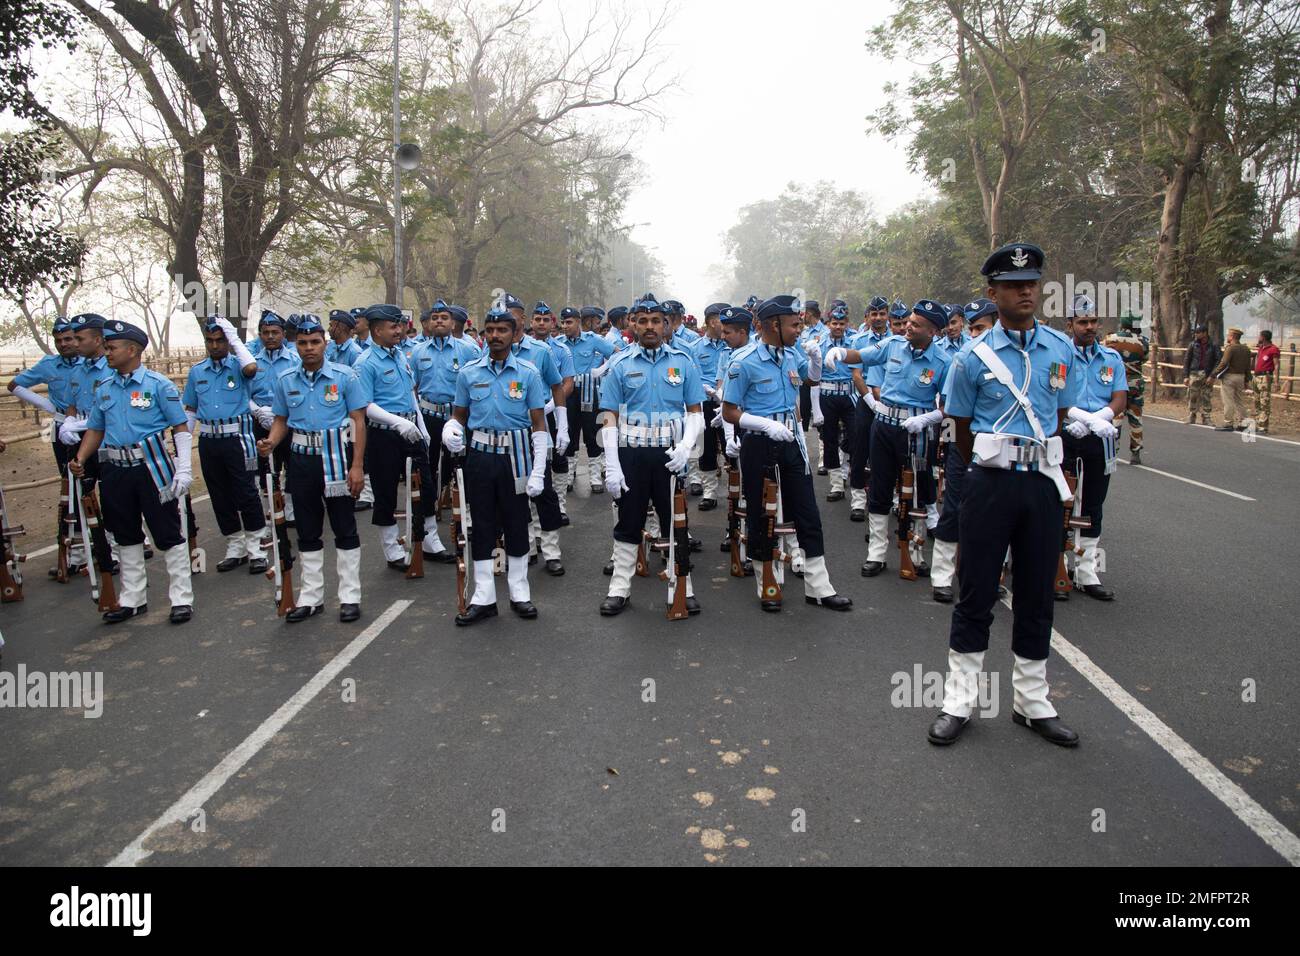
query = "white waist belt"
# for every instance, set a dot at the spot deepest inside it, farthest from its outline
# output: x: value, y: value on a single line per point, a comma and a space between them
x: 308, y: 439
x: 437, y: 409
x: 837, y: 388
x: 221, y: 428
x: 121, y: 454
x: 496, y: 439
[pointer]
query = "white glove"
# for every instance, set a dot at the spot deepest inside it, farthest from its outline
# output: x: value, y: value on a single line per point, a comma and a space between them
x: 561, y: 430
x: 873, y: 403
x: 265, y: 417
x: 615, y: 483
x: 815, y: 400
x: 404, y: 426
x: 815, y: 360
x: 184, y: 476
x: 453, y: 436
x: 237, y: 345
x: 772, y: 429
x: 1077, y: 429
x: 596, y: 373
x: 711, y: 392
x: 733, y: 447
x: 71, y: 429
x: 916, y: 424
x: 717, y: 420
x: 31, y: 398
x: 537, y: 478
x: 549, y: 406
x: 1102, y: 428
x: 424, y: 429
x: 680, y: 456
x: 834, y: 357
x: 409, y: 430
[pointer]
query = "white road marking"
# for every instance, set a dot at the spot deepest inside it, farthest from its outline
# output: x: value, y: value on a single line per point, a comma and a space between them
x: 1258, y: 436
x: 1198, y: 484
x: 216, y: 778
x: 50, y: 549
x: 1264, y: 825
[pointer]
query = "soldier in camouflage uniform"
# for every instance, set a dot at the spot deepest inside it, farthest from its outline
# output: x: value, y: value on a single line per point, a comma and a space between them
x: 1134, y: 347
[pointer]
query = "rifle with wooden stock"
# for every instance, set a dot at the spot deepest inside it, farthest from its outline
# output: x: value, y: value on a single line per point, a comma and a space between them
x: 101, y: 585
x: 11, y: 576
x: 415, y: 562
x: 66, y: 529
x: 906, y: 514
x: 281, y: 569
x: 460, y: 529
x: 679, y: 554
x: 1073, y: 521
x: 734, y: 515
x: 773, y: 572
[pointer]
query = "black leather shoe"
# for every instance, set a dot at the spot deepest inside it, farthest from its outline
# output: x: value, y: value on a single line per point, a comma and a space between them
x: 613, y: 605
x: 822, y: 472
x: 475, y: 613
x: 564, y: 521
x: 747, y: 568
x: 362, y: 506
x: 1049, y: 728
x: 525, y: 609
x: 1096, y: 591
x: 229, y: 564
x: 946, y: 729
x: 871, y: 568
x: 532, y: 559
x: 697, y: 489
x: 708, y: 504
x: 922, y: 569
x: 692, y: 606
x: 943, y: 595
x: 835, y: 496
x: 441, y: 557
x: 696, y: 544
x: 608, y: 570
x: 1225, y: 428
x: 398, y: 564
x: 554, y: 568
x: 349, y: 612
x: 773, y: 607
x: 857, y: 514
x: 148, y: 552
x: 1060, y: 595
x: 124, y: 614
x: 180, y: 614
x: 836, y: 602
x: 1134, y: 458
x: 257, y: 566
x: 725, y: 547
x: 302, y: 613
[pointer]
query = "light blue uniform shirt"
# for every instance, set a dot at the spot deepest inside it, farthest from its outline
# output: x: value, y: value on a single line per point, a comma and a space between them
x: 652, y: 389
x: 708, y: 353
x: 499, y: 395
x: 315, y: 401
x: 874, y: 376
x: 478, y: 349
x: 53, y: 371
x: 912, y: 378
x: 950, y: 346
x: 540, y: 357
x: 685, y: 337
x: 217, y: 390
x: 345, y: 354
x: 87, y: 375
x: 129, y: 409
x: 977, y: 395
x: 761, y: 386
x: 437, y: 363
x: 818, y: 331
x: 1100, y: 372
x: 560, y: 353
x: 615, y: 338
x: 843, y: 372
x: 584, y: 350
x: 388, y: 379
x: 270, y: 366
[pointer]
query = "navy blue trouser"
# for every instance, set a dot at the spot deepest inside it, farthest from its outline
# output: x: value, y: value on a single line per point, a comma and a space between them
x: 1020, y: 509
x: 233, y: 490
x: 495, y: 508
x: 129, y: 494
x: 891, y: 451
x: 306, y: 481
x: 1091, y: 450
x: 860, y: 445
x: 954, y: 470
x: 837, y: 428
x: 798, y: 500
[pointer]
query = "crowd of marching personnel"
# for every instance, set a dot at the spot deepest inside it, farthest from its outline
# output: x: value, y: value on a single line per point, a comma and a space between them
x: 472, y: 431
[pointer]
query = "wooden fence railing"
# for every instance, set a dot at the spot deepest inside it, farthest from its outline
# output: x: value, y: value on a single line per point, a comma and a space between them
x: 1169, y: 374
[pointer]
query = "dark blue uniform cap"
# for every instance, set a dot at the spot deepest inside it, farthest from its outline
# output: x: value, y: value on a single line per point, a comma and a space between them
x: 735, y: 315
x: 61, y: 324
x: 310, y: 323
x: 673, y: 307
x: 592, y: 312
x: 979, y: 307
x: 929, y: 309
x: 618, y: 312
x: 877, y: 303
x: 839, y: 312
x: 899, y: 311
x: 777, y: 306
x: 1014, y: 262
x: 210, y: 323
x: 812, y: 305
x: 716, y: 308
x: 568, y: 312
x: 947, y: 311
x: 383, y: 313
x: 647, y: 305
x: 344, y: 316
x: 439, y: 305
x: 510, y: 302
x: 86, y: 320
x: 292, y: 321
x: 541, y: 308
x: 752, y: 302
x: 499, y: 315
x: 357, y: 312
x: 458, y: 314
x: 270, y: 318
x: 115, y: 329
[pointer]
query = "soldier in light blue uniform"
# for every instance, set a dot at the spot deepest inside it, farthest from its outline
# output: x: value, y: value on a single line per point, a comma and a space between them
x: 954, y: 336
x: 317, y: 406
x: 876, y: 322
x: 272, y: 361
x: 1090, y: 437
x: 707, y: 350
x: 617, y: 319
x: 460, y: 319
x: 343, y: 348
x: 832, y: 402
x: 129, y: 416
x: 544, y: 329
x: 216, y: 399
x: 759, y: 399
x: 437, y: 364
x: 498, y: 412
x: 1012, y: 389
x: 589, y: 352
x: 651, y: 419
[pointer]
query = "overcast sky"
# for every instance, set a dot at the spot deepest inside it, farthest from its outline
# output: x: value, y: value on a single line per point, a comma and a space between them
x: 771, y: 92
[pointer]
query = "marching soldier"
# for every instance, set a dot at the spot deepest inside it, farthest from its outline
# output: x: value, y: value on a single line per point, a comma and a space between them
x: 651, y: 419
x: 832, y: 402
x: 1010, y: 393
x: 954, y: 336
x: 1089, y: 438
x: 343, y: 348
x: 395, y: 429
x: 460, y: 319
x: 272, y: 361
x: 980, y: 314
x: 589, y: 352
x: 813, y: 330
x: 129, y: 416
x: 500, y: 399
x: 437, y: 363
x: 316, y: 405
x: 1130, y: 343
x: 759, y: 398
x: 617, y: 317
x: 707, y: 352
x: 915, y: 366
x: 543, y: 330
x: 216, y: 399
x: 876, y: 329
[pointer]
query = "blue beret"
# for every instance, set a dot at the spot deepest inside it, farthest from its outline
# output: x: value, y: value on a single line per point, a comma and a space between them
x: 210, y: 323
x: 61, y: 325
x: 929, y: 309
x: 812, y: 305
x: 458, y: 314
x: 673, y: 307
x: 647, y: 305
x: 117, y: 329
x: 86, y: 320
x: 777, y: 306
x: 839, y: 312
x: 568, y: 312
x: 357, y: 312
x: 541, y: 308
x: 439, y: 305
x: 715, y: 308
x: 310, y: 323
x: 751, y: 302
x: 270, y: 318
x: 1014, y: 262
x: 877, y: 303
x: 979, y: 307
x: 899, y: 311
x: 947, y: 311
x: 592, y: 312
x: 1082, y: 305
x: 292, y: 321
x: 618, y: 312
x: 499, y: 315
x: 510, y: 302
x: 383, y: 313
x: 735, y: 315
x: 344, y: 316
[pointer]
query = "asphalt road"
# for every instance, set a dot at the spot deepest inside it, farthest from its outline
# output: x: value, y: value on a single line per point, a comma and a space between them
x: 769, y: 740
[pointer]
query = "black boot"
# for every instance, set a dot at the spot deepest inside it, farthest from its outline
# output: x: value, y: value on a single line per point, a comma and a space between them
x: 475, y: 613
x: 303, y: 612
x: 124, y: 614
x: 613, y: 605
x: 1049, y: 728
x: 947, y: 729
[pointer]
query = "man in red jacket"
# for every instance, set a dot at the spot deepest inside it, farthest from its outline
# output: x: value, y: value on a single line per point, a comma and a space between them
x: 1267, y: 358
